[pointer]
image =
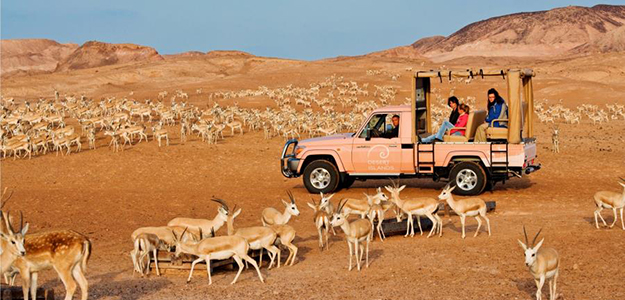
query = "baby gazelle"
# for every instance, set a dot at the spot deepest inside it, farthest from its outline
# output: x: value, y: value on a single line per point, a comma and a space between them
x: 543, y: 263
x: 143, y: 245
x: 322, y: 221
x: 471, y: 207
x: 356, y: 233
x: 272, y: 216
x: 221, y: 247
x: 609, y: 199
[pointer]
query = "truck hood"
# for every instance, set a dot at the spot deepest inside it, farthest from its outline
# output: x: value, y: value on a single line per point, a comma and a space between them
x: 331, y: 139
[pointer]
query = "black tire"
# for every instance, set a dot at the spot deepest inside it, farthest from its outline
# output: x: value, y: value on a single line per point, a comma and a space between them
x: 347, y: 181
x: 469, y: 178
x: 320, y: 168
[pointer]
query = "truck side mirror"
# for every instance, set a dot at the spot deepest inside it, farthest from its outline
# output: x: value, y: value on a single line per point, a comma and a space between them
x: 368, y: 137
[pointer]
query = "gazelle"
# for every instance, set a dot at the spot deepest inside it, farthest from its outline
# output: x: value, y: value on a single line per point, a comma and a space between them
x: 555, y: 140
x: 271, y: 216
x: 235, y: 125
x: 221, y: 247
x: 258, y: 237
x: 206, y: 225
x: 327, y: 206
x: 543, y: 264
x: 144, y: 244
x: 472, y: 207
x: 421, y: 206
x: 286, y: 234
x: 159, y: 133
x: 322, y: 222
x: 609, y: 199
x: 356, y: 232
x: 376, y: 212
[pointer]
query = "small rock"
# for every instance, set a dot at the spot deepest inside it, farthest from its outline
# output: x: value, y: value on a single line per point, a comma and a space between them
x: 575, y: 267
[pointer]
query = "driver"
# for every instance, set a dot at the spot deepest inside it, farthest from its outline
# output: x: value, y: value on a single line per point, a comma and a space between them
x: 393, y: 133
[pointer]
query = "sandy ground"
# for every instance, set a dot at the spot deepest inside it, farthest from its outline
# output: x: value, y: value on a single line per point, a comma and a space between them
x: 107, y: 195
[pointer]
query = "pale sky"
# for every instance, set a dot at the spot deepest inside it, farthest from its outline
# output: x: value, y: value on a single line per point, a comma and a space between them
x: 306, y: 30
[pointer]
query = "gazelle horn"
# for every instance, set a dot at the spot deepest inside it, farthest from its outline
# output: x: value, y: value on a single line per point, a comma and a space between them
x: 534, y: 240
x: 222, y: 202
x: 525, y: 233
x: 291, y: 196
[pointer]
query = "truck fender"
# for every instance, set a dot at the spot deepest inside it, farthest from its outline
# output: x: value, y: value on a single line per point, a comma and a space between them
x: 466, y: 154
x: 334, y: 154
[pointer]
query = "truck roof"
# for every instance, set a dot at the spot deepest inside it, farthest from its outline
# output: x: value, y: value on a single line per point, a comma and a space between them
x: 393, y: 108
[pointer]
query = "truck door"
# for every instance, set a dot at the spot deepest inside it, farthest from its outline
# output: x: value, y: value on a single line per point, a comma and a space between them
x: 376, y: 150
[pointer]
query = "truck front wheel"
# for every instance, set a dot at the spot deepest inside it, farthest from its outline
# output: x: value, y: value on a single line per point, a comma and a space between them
x: 321, y: 176
x: 469, y: 178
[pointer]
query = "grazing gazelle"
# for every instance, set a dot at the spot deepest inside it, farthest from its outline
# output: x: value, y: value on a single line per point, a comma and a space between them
x: 271, y: 216
x: 613, y: 200
x: 543, y: 264
x: 322, y: 221
x: 422, y: 206
x: 356, y: 233
x: 221, y: 247
x: 469, y: 207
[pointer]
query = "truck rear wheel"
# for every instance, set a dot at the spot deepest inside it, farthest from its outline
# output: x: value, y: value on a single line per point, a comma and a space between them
x: 469, y: 178
x: 321, y: 176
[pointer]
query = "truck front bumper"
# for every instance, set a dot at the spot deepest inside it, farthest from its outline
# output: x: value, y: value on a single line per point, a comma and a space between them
x: 288, y: 162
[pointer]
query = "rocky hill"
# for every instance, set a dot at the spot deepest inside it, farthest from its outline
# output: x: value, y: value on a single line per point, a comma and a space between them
x: 96, y: 54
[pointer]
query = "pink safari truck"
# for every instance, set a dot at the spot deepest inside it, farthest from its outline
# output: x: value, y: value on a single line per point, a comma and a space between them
x: 329, y: 163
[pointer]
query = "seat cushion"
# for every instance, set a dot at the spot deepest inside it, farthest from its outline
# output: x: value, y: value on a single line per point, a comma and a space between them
x: 497, y: 133
x: 455, y: 138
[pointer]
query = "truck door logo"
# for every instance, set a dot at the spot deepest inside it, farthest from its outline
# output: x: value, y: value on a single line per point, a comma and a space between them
x: 378, y: 160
